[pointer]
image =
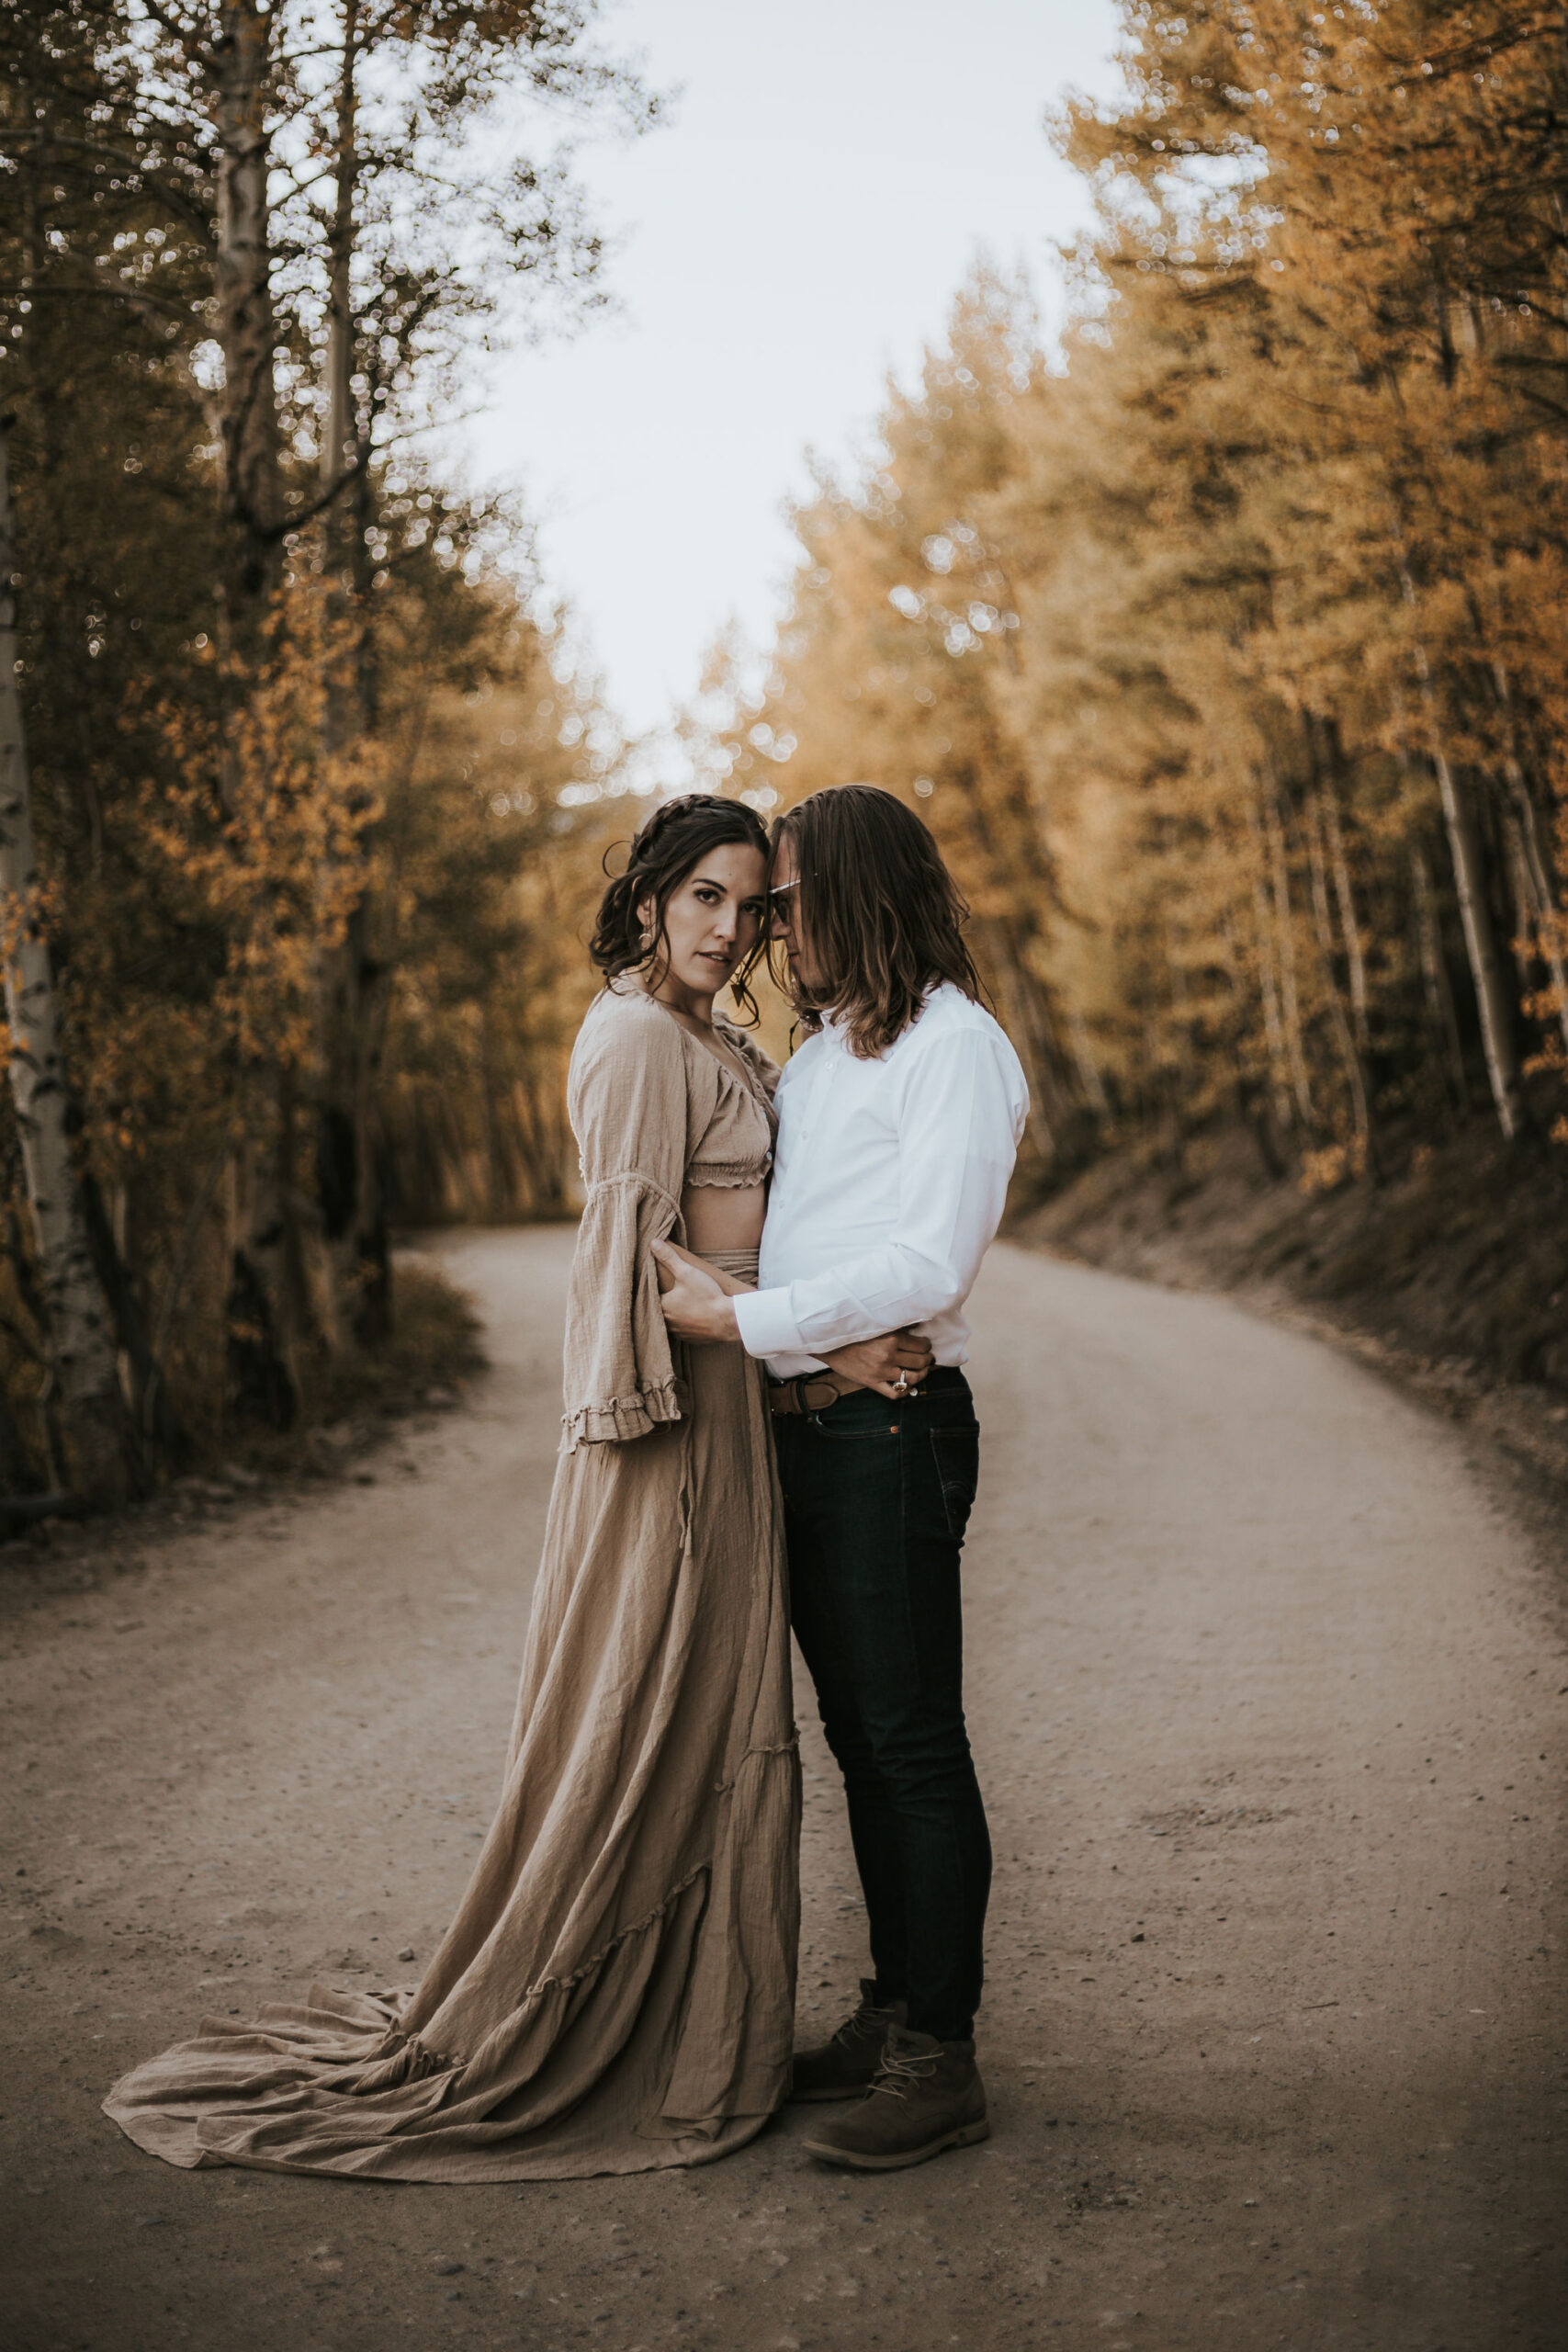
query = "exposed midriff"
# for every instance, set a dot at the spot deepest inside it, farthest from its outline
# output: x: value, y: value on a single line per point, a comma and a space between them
x: 724, y: 1216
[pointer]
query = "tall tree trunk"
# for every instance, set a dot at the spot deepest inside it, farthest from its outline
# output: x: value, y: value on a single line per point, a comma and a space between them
x: 13, y: 1454
x: 263, y: 1337
x: 1344, y: 893
x: 1274, y: 1027
x: 494, y: 1176
x: 1538, y: 899
x: 1486, y: 972
x: 1493, y: 997
x: 1435, y: 978
x: 239, y: 70
x: 1344, y: 1037
x: 1251, y: 1094
x: 1546, y: 919
x: 1289, y: 994
x: 340, y: 435
x: 352, y: 990
x: 152, y: 1410
x: 1082, y: 1048
x: 80, y: 1327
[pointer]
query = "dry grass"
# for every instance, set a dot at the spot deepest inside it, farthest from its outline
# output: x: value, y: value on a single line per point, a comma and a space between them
x: 349, y: 1400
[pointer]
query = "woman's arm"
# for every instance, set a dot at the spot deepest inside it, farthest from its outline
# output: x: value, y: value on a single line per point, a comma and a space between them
x: 892, y: 1365
x: 627, y: 1102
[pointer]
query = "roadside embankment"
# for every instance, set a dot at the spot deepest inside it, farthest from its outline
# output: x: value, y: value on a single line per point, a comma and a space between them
x: 350, y: 1401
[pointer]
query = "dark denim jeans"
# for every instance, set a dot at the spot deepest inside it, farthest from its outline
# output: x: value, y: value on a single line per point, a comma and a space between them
x: 876, y: 1498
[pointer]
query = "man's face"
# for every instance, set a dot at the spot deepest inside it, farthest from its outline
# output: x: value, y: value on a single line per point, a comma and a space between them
x: 783, y: 912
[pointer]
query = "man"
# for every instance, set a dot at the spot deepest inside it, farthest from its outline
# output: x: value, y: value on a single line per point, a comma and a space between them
x: 898, y: 1121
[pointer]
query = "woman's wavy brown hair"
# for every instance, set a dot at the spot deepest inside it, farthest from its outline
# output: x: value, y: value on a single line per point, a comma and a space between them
x: 671, y: 844
x: 880, y: 914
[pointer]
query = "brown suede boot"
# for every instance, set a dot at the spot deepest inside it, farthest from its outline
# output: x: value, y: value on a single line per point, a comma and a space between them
x: 847, y: 2065
x: 928, y: 2096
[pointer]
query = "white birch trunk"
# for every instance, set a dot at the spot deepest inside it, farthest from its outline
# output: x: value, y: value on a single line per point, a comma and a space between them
x: 241, y: 70
x: 339, y: 436
x: 1492, y: 998
x: 1434, y: 972
x: 1355, y: 952
x: 80, y: 1336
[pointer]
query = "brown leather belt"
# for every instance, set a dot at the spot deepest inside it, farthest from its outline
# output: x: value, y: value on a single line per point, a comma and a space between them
x: 809, y: 1392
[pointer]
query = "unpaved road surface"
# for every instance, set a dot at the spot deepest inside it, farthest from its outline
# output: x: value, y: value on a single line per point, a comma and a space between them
x: 1266, y: 1682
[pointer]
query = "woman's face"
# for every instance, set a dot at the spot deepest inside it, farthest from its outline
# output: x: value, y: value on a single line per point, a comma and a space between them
x: 713, y: 919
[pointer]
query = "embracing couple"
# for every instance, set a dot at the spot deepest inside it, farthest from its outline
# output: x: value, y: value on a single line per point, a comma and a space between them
x: 765, y: 1424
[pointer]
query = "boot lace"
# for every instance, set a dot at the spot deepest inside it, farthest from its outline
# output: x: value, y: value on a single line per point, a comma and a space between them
x: 868, y: 2021
x: 903, y: 2071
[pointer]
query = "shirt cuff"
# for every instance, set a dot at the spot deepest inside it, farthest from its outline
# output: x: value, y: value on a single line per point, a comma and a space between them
x: 766, y: 1325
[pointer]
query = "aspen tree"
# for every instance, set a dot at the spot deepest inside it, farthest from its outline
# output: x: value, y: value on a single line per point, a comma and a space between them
x: 181, y: 825
x: 1491, y: 994
x: 79, y: 1326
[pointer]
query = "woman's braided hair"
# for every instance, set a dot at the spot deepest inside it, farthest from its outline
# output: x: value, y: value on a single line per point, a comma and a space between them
x: 671, y: 844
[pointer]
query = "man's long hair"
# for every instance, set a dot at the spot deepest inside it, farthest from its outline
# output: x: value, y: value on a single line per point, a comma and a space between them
x: 880, y: 916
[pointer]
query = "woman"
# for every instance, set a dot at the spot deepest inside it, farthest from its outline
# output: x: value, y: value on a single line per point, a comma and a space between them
x: 616, y: 1991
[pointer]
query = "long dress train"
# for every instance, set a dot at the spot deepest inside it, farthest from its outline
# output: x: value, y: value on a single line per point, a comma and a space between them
x: 616, y: 1991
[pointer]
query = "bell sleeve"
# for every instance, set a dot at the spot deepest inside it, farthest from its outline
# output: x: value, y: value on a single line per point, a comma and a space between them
x: 627, y: 1098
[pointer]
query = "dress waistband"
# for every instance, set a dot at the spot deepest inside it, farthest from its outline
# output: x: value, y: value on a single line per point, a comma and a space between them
x: 741, y: 1264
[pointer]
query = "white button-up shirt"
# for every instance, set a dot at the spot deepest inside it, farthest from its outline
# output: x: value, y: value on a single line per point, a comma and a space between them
x: 889, y: 1178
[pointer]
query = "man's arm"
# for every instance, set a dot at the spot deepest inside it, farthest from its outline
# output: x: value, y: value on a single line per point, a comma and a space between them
x: 696, y: 1299
x: 956, y: 1144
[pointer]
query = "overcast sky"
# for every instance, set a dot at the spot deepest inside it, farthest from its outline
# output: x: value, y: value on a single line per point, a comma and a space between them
x: 798, y: 229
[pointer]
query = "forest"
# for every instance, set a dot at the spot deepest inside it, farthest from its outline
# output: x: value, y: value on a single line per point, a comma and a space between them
x: 1221, y: 641
x: 300, y: 783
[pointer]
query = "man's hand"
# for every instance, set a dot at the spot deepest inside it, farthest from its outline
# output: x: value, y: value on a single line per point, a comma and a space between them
x: 695, y: 1306
x: 877, y: 1364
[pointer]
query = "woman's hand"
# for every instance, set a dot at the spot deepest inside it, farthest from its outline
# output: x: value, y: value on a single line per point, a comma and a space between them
x: 730, y: 1284
x: 877, y: 1364
x: 697, y: 1307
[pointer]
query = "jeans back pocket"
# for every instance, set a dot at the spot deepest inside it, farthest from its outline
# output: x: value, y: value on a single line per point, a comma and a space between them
x: 957, y: 1451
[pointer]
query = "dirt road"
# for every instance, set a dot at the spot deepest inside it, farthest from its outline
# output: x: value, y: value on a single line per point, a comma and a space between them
x: 1267, y: 1688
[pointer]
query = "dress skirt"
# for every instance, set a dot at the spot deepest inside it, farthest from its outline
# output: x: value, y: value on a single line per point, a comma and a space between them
x: 616, y: 1992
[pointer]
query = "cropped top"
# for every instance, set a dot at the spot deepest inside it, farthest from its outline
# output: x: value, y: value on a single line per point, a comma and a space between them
x: 653, y: 1111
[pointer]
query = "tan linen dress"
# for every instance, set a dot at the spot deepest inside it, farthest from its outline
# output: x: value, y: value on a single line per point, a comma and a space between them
x: 617, y: 1990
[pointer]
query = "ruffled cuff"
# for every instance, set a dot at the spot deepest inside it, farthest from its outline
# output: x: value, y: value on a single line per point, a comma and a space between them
x: 620, y: 1418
